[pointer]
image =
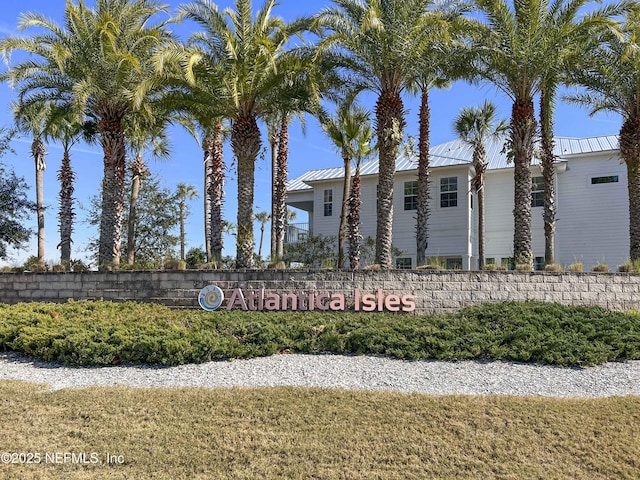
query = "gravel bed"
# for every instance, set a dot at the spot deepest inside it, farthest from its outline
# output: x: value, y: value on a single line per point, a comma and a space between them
x: 344, y: 372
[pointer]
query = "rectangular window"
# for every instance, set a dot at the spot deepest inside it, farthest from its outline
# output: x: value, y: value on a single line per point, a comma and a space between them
x: 449, y: 192
x: 490, y: 261
x: 537, y: 187
x: 538, y: 263
x: 411, y: 195
x: 454, y: 263
x: 403, y: 263
x: 608, y: 179
x: 328, y: 203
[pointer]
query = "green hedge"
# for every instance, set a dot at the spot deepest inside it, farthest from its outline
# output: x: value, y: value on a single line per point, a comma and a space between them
x: 103, y: 333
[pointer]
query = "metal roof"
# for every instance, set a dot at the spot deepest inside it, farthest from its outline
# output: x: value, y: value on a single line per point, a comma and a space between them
x: 457, y: 152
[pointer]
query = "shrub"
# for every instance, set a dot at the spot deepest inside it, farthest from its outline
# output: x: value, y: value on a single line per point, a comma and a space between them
x: 576, y: 267
x: 600, y: 267
x: 524, y: 267
x: 104, y: 333
x: 554, y: 267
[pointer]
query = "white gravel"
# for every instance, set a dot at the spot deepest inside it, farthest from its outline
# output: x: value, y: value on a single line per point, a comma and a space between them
x: 344, y: 372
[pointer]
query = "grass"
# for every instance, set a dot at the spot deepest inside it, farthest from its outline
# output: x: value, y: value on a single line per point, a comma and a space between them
x: 292, y: 433
x: 103, y: 333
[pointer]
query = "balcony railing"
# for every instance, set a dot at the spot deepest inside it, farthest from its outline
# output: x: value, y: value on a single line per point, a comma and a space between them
x: 295, y: 232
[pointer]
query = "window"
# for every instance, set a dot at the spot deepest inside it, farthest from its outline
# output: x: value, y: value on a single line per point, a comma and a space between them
x: 411, y: 195
x: 608, y: 179
x: 507, y: 262
x: 328, y: 203
x: 449, y: 192
x: 403, y: 263
x: 537, y: 187
x: 489, y: 261
x: 538, y: 263
x: 454, y: 263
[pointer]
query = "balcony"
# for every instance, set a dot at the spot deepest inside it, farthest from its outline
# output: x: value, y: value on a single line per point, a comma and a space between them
x: 295, y: 232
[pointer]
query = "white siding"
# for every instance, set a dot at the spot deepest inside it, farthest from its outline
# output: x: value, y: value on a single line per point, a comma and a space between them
x: 593, y: 220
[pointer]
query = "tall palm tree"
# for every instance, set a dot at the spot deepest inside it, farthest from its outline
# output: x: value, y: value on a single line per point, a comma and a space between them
x: 611, y: 75
x: 99, y: 61
x: 345, y: 130
x: 243, y: 50
x: 32, y: 119
x: 474, y: 125
x: 382, y: 38
x: 364, y: 150
x: 65, y: 127
x: 184, y: 192
x: 512, y: 53
x: 572, y: 33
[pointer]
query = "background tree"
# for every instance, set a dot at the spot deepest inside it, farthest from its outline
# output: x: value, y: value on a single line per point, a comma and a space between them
x: 262, y: 218
x: 474, y: 125
x: 15, y: 207
x: 184, y: 192
x: 157, y: 220
x: 32, y: 119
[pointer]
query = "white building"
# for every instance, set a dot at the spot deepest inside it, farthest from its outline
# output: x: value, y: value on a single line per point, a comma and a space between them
x: 592, y: 221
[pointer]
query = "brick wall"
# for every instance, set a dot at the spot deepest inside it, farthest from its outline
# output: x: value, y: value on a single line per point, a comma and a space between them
x: 434, y: 291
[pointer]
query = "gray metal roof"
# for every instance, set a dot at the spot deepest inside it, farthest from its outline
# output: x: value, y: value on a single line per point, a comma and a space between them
x: 457, y: 152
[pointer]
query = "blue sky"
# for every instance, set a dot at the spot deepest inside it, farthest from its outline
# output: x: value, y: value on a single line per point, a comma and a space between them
x: 307, y: 151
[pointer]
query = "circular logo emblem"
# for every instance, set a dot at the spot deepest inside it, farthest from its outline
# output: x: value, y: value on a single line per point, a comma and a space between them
x: 211, y: 297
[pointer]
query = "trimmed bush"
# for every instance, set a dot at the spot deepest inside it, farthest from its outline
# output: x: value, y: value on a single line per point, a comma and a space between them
x: 104, y: 333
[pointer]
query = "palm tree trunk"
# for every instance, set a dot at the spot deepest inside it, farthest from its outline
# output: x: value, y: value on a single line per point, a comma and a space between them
x: 112, y: 140
x: 630, y: 152
x: 548, y: 177
x: 138, y: 169
x: 245, y: 141
x: 207, y: 149
x: 389, y: 127
x: 261, y: 239
x: 354, y: 220
x: 477, y: 184
x: 216, y: 193
x: 66, y: 214
x: 422, y: 214
x: 346, y: 193
x: 281, y: 187
x: 523, y: 128
x: 38, y: 152
x: 183, y: 213
x: 273, y: 144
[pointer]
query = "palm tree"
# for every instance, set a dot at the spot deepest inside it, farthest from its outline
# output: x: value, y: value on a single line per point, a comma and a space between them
x: 364, y: 149
x: 243, y: 51
x: 611, y: 75
x: 512, y: 53
x: 383, y: 39
x: 571, y: 38
x: 32, y: 119
x: 99, y: 62
x: 345, y: 130
x: 65, y: 127
x: 263, y: 218
x: 184, y: 192
x: 140, y: 133
x: 474, y: 125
